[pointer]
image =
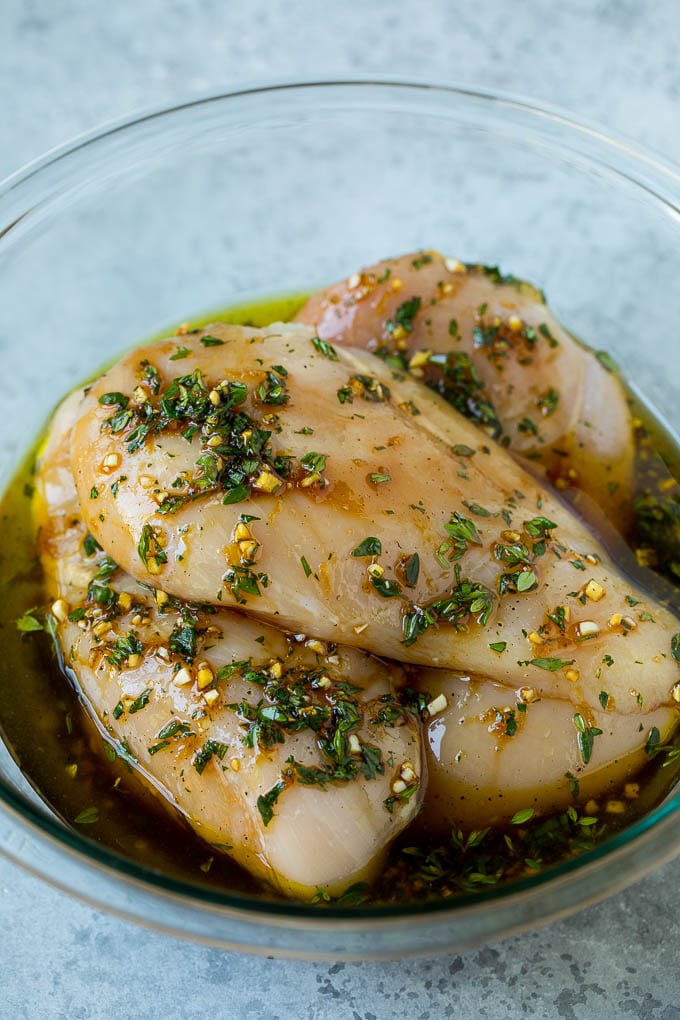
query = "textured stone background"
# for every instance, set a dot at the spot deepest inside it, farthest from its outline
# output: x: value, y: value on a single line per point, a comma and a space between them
x: 68, y: 65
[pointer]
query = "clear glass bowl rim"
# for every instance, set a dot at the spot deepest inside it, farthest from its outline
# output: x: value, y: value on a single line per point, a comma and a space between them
x: 647, y: 841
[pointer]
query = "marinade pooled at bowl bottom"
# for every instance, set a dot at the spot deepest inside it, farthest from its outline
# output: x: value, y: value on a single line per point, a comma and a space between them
x: 84, y: 785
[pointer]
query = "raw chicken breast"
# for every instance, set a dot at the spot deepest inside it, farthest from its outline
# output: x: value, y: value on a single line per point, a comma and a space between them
x: 490, y: 344
x: 323, y: 492
x: 492, y: 751
x: 223, y: 716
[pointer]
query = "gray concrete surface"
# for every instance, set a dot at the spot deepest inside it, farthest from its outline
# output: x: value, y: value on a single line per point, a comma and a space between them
x: 66, y: 66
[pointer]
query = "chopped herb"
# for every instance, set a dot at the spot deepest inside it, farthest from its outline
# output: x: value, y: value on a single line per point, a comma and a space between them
x: 385, y: 587
x: 415, y: 622
x: 498, y: 646
x: 140, y: 702
x: 411, y: 570
x: 653, y: 741
x: 28, y: 623
x: 524, y: 815
x: 174, y: 728
x: 90, y: 545
x: 183, y: 639
x: 586, y: 737
x: 122, y: 648
x: 323, y: 347
x: 548, y: 402
x: 305, y: 566
x: 180, y: 354
x: 314, y: 462
x: 461, y: 450
x: 421, y: 260
x: 243, y: 581
x: 464, y: 532
x: 114, y: 399
x: 87, y: 817
x: 475, y: 508
x: 675, y: 647
x: 378, y: 479
x: 369, y: 547
x: 403, y: 797
x: 211, y: 341
x: 404, y: 316
x: 545, y: 332
x: 526, y: 580
x: 206, y: 752
x: 266, y: 802
x: 160, y: 746
x: 149, y: 548
x: 539, y: 527
x: 527, y: 427
x: 236, y: 494
x: 604, y: 699
x: 551, y: 665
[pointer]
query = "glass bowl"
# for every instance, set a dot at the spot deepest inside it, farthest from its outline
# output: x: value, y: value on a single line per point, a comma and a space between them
x: 279, y: 190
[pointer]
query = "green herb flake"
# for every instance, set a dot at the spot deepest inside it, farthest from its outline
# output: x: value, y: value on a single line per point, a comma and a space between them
x: 211, y: 341
x: 551, y: 665
x: 87, y: 817
x: 538, y: 527
x: 369, y: 547
x: 141, y: 701
x: 675, y: 647
x: 266, y: 802
x: 28, y: 624
x: 113, y: 399
x: 522, y: 816
x: 323, y: 347
x: 526, y: 580
x: 585, y: 737
x: 412, y: 570
x: 498, y: 646
x: 385, y: 587
x: 180, y: 354
x: 305, y: 566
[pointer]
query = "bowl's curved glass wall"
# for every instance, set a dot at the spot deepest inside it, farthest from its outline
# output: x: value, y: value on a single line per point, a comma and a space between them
x: 276, y: 191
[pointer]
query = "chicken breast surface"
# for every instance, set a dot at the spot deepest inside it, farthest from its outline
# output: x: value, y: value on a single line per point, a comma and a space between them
x: 490, y: 344
x: 323, y: 492
x: 492, y: 751
x: 270, y: 746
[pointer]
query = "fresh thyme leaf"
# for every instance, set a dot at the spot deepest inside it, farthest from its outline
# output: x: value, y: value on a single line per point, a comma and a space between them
x: 87, y: 817
x: 552, y: 665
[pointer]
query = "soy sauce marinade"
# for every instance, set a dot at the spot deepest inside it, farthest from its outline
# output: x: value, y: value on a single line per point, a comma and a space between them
x: 96, y: 791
